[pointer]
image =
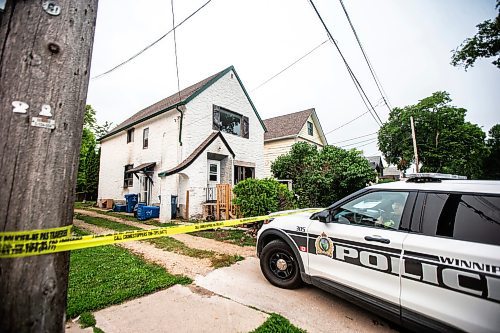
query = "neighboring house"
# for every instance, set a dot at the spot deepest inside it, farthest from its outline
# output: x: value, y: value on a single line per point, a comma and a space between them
x: 284, y: 131
x: 208, y: 133
x: 392, y: 173
x: 376, y: 164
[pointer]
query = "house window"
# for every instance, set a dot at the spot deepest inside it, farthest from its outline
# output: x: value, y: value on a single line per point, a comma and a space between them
x: 145, y: 137
x: 213, y: 172
x: 128, y: 177
x: 309, y: 128
x: 241, y: 173
x: 130, y: 135
x: 230, y: 122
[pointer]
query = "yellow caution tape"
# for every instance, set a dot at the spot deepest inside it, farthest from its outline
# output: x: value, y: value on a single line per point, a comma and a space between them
x: 37, y: 242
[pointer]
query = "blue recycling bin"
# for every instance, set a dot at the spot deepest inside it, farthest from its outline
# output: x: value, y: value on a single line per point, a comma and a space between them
x: 147, y: 212
x: 136, y: 207
x: 120, y: 208
x: 131, y: 200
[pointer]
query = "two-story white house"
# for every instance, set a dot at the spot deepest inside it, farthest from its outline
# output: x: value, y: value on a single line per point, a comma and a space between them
x: 179, y: 148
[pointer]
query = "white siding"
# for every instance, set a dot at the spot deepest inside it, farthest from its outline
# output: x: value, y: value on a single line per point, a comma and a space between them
x: 273, y: 149
x: 315, y: 137
x: 165, y: 150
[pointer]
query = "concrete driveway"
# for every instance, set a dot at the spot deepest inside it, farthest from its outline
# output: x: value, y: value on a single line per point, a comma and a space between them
x: 308, y: 308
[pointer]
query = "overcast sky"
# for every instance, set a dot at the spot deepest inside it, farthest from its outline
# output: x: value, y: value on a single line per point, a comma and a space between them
x: 409, y: 44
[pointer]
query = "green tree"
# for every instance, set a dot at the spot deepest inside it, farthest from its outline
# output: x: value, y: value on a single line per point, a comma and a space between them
x: 492, y: 161
x: 88, y: 168
x: 485, y: 44
x: 321, y: 177
x: 446, y: 143
x: 260, y: 196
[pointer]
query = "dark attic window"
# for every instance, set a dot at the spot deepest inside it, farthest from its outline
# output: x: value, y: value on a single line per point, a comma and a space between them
x: 230, y: 122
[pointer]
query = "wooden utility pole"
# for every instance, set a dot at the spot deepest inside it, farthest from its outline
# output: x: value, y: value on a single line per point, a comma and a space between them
x: 414, y: 144
x: 45, y: 53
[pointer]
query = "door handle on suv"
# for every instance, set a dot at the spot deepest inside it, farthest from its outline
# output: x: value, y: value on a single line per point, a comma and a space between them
x: 377, y: 239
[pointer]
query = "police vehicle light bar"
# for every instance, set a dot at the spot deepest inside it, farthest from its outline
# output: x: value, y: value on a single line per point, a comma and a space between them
x: 430, y: 176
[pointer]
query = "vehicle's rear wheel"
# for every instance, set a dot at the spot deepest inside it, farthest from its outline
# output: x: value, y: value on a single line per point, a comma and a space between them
x: 280, y: 266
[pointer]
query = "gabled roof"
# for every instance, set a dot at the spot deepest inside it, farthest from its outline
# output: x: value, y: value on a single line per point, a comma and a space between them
x: 375, y: 160
x: 196, y: 153
x: 173, y: 101
x: 290, y: 125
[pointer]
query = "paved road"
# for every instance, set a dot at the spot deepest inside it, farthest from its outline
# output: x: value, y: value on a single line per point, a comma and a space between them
x: 309, y: 308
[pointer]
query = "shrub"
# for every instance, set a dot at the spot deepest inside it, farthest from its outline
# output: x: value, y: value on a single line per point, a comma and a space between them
x: 257, y: 197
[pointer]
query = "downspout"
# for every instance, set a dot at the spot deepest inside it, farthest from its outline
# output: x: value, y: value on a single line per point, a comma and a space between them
x: 180, y: 124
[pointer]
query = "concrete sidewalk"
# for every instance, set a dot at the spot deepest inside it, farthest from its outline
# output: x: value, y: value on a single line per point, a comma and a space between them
x: 179, y: 309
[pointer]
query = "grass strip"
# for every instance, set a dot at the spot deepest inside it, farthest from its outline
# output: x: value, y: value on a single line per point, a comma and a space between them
x: 167, y: 243
x: 237, y: 237
x: 276, y: 323
x: 106, y: 275
x: 105, y: 223
x: 127, y: 217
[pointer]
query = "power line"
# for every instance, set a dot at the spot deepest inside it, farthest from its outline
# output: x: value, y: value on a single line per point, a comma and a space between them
x: 263, y: 83
x: 175, y: 48
x: 150, y: 45
x: 293, y: 63
x: 344, y: 124
x: 360, y: 89
x: 358, y: 137
x: 357, y: 143
x: 370, y: 141
x: 372, y: 70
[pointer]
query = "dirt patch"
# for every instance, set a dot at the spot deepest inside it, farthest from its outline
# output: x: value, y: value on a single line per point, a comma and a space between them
x: 174, y: 263
x: 191, y: 241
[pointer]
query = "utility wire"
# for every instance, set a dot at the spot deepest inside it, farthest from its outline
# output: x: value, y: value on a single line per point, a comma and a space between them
x: 372, y: 70
x: 358, y: 137
x: 263, y: 83
x: 357, y: 143
x: 175, y: 48
x: 360, y: 89
x: 344, y: 124
x: 293, y: 63
x: 358, y: 146
x: 150, y: 45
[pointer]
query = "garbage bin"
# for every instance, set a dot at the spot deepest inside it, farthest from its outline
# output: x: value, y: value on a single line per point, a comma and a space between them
x: 131, y: 200
x: 136, y: 208
x: 147, y: 212
x: 173, y: 202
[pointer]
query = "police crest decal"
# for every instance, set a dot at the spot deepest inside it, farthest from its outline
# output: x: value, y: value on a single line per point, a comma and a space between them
x: 324, y: 245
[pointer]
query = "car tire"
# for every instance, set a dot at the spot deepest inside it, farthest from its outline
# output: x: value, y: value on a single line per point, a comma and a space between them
x: 280, y: 265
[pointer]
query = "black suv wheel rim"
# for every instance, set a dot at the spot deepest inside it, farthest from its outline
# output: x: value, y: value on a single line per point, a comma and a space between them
x: 282, y: 265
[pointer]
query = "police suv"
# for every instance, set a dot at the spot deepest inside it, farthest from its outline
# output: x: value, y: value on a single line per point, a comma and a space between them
x: 424, y: 253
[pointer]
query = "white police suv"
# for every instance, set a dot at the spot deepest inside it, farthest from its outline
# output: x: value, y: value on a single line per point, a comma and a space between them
x: 424, y: 253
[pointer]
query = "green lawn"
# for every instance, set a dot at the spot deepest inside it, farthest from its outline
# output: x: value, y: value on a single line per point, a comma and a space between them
x: 238, y: 237
x: 106, y: 275
x: 124, y: 216
x: 277, y: 324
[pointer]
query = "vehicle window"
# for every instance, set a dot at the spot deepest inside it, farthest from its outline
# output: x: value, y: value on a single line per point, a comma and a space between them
x: 474, y: 218
x: 375, y: 209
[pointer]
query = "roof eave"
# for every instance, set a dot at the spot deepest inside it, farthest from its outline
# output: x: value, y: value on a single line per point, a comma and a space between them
x: 141, y: 120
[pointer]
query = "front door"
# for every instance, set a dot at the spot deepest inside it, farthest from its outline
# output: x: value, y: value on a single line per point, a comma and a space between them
x: 145, y: 189
x: 213, y: 178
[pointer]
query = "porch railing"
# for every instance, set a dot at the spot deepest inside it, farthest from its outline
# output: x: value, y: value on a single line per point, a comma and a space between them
x: 211, y: 194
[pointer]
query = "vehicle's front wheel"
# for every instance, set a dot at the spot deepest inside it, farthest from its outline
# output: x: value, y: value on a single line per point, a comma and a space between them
x: 280, y: 266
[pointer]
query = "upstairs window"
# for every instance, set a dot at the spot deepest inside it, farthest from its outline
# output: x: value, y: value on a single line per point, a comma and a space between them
x: 145, y: 138
x: 130, y: 135
x: 309, y: 128
x: 128, y: 177
x: 230, y: 122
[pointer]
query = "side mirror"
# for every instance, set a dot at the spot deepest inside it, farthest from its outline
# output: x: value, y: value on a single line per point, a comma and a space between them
x: 324, y: 216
